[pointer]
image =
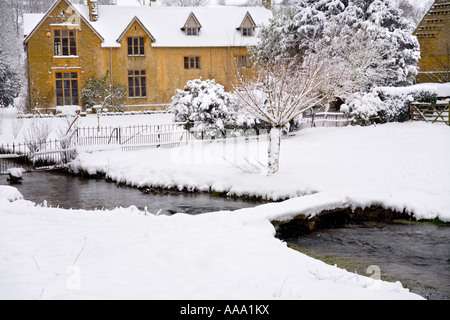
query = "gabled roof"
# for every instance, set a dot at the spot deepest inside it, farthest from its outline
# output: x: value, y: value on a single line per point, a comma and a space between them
x: 136, y: 19
x: 218, y: 24
x: 30, y: 29
x: 191, y: 21
x: 248, y: 21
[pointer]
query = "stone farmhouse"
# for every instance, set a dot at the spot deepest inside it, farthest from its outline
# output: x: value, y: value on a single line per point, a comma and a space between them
x: 150, y: 51
x: 433, y: 34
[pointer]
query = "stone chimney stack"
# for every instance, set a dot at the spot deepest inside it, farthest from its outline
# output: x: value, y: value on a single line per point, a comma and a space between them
x: 93, y: 10
x: 267, y: 4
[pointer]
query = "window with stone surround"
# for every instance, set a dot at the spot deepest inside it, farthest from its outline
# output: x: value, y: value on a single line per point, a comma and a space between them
x: 66, y: 88
x: 136, y: 46
x: 192, y: 62
x: 137, y: 84
x: 65, y: 43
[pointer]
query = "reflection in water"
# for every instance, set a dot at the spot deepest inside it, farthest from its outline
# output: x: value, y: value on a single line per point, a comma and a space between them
x: 66, y: 191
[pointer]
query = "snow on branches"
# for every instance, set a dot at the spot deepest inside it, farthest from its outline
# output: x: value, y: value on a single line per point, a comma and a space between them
x: 9, y: 82
x: 203, y: 105
x: 282, y: 90
x: 369, y: 38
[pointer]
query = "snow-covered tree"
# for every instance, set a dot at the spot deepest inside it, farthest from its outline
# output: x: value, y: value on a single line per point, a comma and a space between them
x: 341, y: 26
x: 281, y: 91
x: 205, y: 106
x: 414, y: 10
x: 184, y: 3
x: 9, y: 82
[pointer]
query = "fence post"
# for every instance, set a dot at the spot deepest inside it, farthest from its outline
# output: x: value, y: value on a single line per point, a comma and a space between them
x: 448, y: 113
x: 159, y: 137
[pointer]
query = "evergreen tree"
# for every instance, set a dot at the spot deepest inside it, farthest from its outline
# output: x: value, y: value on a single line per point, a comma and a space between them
x: 205, y: 106
x: 343, y: 27
x: 9, y: 82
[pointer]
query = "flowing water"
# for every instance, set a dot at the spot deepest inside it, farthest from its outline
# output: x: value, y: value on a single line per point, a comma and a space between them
x: 416, y: 254
x: 72, y: 192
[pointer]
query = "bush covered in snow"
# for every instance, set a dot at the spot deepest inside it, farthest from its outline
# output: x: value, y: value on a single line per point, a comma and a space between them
x: 377, y: 106
x: 387, y: 104
x: 206, y: 107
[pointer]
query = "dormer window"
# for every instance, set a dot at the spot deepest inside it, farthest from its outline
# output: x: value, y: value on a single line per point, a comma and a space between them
x: 247, y: 32
x: 247, y: 27
x: 192, y: 31
x: 192, y: 26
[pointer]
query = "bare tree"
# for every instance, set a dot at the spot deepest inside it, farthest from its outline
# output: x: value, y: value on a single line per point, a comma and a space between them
x: 36, y: 135
x: 281, y: 91
x: 65, y: 137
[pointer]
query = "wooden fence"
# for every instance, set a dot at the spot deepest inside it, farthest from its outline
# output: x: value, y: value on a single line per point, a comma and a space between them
x: 430, y: 112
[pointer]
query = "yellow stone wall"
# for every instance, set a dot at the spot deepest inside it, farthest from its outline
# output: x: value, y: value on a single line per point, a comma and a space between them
x: 433, y: 34
x: 91, y: 60
x: 164, y: 67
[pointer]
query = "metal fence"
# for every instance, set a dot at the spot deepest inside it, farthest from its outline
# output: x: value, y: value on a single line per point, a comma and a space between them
x: 57, y: 152
x: 136, y: 137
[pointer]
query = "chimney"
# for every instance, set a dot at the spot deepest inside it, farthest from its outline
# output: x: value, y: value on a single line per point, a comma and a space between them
x: 267, y: 4
x: 93, y: 10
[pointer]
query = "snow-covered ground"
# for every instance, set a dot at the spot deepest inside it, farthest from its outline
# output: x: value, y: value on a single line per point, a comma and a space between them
x: 125, y: 253
x: 49, y: 253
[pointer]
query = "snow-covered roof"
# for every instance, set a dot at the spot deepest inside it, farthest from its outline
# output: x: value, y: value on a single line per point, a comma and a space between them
x: 30, y: 21
x: 219, y: 24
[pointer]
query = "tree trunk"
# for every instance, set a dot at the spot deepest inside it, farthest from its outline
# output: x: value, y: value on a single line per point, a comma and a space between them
x: 274, y: 150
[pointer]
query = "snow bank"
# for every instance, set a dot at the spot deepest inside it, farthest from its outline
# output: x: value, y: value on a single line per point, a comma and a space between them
x: 49, y: 253
x: 10, y: 194
x: 403, y: 166
x: 441, y: 89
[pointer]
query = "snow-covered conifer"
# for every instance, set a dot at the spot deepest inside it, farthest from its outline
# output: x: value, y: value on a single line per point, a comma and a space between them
x: 341, y: 26
x: 204, y: 106
x: 9, y: 83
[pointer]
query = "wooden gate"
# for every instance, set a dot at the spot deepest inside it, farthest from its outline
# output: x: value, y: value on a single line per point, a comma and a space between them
x: 429, y: 112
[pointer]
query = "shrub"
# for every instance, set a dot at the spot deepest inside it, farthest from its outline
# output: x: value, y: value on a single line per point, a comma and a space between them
x: 377, y: 106
x: 99, y: 92
x: 204, y: 106
x: 425, y: 96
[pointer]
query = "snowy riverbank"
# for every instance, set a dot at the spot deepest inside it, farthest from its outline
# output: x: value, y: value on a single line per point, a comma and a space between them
x: 403, y: 166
